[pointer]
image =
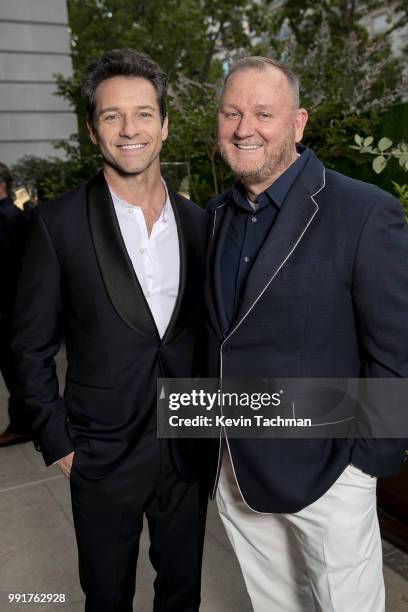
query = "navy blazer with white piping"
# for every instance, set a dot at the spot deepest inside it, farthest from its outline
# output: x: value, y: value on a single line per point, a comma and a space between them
x: 327, y: 297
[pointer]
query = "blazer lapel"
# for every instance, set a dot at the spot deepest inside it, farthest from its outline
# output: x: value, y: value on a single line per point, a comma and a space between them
x: 117, y: 272
x: 221, y: 224
x: 190, y: 284
x: 292, y: 222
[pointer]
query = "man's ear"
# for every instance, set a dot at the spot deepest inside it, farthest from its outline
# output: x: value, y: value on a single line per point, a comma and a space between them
x: 300, y: 123
x: 165, y: 128
x: 92, y: 132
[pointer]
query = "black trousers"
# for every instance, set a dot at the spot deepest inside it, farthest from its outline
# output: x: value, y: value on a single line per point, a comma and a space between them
x: 108, y: 518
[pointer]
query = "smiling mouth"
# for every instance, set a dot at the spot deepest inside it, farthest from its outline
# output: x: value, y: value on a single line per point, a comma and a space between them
x: 251, y: 147
x: 132, y: 147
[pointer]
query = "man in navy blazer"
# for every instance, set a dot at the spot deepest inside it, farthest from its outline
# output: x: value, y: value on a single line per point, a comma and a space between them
x: 118, y: 265
x: 308, y: 279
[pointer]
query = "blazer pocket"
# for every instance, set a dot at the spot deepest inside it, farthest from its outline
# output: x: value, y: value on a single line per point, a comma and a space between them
x: 307, y: 270
x: 93, y: 408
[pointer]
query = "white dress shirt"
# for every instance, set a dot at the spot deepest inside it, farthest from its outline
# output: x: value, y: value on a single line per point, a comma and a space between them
x: 155, y: 258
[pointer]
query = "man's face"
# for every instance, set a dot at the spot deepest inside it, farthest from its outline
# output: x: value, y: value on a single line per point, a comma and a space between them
x: 127, y: 125
x: 258, y: 125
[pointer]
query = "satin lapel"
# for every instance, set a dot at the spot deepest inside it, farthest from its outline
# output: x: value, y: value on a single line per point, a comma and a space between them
x: 191, y: 268
x: 221, y: 224
x: 117, y: 272
x: 291, y: 224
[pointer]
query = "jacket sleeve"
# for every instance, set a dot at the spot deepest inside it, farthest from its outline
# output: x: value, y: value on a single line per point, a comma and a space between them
x: 380, y: 294
x: 36, y: 339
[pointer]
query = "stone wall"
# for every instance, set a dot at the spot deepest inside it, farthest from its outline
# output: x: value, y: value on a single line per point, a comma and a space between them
x: 34, y: 44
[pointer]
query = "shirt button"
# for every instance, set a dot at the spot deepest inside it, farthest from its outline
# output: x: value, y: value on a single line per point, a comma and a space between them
x: 246, y: 259
x: 142, y: 250
x: 254, y: 219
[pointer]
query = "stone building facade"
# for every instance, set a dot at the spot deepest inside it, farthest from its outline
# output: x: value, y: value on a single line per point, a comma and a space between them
x: 34, y: 44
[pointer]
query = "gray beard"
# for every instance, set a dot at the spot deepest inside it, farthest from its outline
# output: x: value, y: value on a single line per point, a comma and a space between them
x: 275, y: 164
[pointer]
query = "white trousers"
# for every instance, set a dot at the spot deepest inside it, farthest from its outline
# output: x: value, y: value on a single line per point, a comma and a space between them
x: 325, y: 558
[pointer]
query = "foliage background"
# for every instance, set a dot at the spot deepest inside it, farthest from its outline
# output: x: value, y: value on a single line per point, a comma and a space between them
x: 349, y: 82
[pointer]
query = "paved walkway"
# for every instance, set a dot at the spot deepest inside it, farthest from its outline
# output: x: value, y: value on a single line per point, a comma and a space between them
x: 38, y: 551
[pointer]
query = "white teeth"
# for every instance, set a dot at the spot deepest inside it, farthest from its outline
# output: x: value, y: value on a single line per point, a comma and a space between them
x: 248, y: 147
x: 132, y: 146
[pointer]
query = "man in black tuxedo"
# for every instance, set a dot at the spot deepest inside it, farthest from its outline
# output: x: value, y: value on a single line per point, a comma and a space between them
x: 12, y: 226
x: 308, y: 279
x: 118, y: 264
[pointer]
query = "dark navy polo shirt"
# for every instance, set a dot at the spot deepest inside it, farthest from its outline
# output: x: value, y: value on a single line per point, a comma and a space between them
x: 248, y: 231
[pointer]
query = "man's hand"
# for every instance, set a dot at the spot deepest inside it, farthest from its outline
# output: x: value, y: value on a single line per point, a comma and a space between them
x: 66, y: 463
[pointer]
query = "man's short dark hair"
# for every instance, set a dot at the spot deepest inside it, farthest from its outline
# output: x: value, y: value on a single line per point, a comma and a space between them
x: 6, y: 177
x: 123, y: 62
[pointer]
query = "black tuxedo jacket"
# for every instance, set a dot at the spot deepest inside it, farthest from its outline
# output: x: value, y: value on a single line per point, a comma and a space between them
x: 327, y: 297
x: 77, y: 276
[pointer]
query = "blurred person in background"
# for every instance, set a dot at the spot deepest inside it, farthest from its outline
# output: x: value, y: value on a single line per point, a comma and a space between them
x: 25, y: 197
x: 12, y: 227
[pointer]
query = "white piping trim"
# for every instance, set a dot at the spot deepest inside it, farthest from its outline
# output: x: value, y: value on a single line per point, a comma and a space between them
x: 215, y: 217
x: 322, y: 424
x: 237, y: 483
x: 332, y: 422
x: 269, y: 282
x: 217, y: 473
x: 322, y: 186
x: 220, y: 438
x: 312, y: 196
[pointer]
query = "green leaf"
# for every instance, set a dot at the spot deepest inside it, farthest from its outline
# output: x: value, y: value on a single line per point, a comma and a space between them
x: 358, y: 140
x: 384, y: 144
x: 379, y: 164
x: 367, y: 141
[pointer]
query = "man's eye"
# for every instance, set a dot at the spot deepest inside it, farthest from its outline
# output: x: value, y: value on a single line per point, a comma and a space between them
x: 145, y: 114
x: 231, y: 115
x: 265, y: 115
x: 111, y: 118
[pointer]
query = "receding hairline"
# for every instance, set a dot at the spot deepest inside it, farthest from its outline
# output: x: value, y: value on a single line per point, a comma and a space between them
x: 262, y: 64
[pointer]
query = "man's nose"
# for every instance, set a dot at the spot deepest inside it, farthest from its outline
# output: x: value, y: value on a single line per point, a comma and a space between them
x: 129, y: 126
x: 245, y: 127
